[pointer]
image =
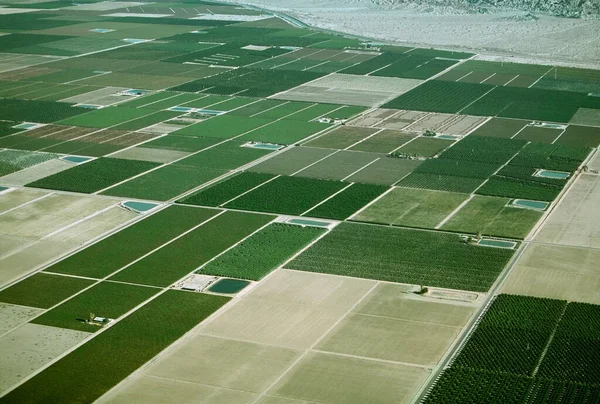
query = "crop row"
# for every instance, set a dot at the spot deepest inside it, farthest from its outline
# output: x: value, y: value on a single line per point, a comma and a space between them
x: 518, y: 188
x: 15, y: 160
x: 94, y: 176
x: 287, y: 195
x: 441, y: 182
x: 551, y: 156
x: 404, y: 255
x: 263, y: 252
x: 346, y: 203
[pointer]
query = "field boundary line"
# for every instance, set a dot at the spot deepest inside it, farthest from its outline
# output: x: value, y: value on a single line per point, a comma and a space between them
x: 269, y: 109
x: 360, y: 169
x: 487, y: 78
x: 560, y: 135
x: 362, y: 140
x: 541, y: 77
x: 28, y: 202
x: 417, y: 321
x: 358, y: 212
x: 460, y: 78
x: 454, y: 212
x: 310, y: 349
x: 334, y: 151
x: 475, y: 101
x: 328, y: 198
x: 370, y: 359
x: 250, y: 190
x: 510, y: 81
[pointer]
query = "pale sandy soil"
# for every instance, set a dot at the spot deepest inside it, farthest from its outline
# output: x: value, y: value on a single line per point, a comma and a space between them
x: 545, y: 40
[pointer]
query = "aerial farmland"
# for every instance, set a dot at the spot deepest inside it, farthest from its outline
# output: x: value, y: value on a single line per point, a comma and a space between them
x: 213, y: 203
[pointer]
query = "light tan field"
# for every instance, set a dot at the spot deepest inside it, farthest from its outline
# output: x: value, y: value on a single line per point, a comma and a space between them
x: 49, y: 214
x: 350, y: 89
x: 373, y: 117
x: 290, y: 309
x: 448, y: 124
x: 302, y: 337
x: 557, y: 272
x: 35, y: 173
x: 12, y: 315
x: 31, y: 346
x: 576, y: 220
x: 594, y: 163
x: 12, y: 61
x: 92, y: 227
x: 17, y: 197
x: 148, y: 154
x: 104, y: 96
x: 333, y: 379
x: 9, y: 244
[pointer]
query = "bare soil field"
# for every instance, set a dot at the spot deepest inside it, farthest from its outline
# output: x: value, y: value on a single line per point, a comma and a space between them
x: 35, y: 173
x: 16, y: 197
x: 31, y: 346
x: 557, y: 272
x: 150, y: 154
x: 576, y: 220
x: 460, y: 125
x: 12, y: 315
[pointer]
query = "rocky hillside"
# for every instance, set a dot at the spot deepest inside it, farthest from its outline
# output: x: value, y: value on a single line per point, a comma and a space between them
x: 563, y: 8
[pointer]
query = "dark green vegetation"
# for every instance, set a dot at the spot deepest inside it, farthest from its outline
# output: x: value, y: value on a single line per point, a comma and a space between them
x: 295, y: 195
x: 530, y: 350
x: 185, y: 254
x: 112, y: 253
x: 95, y: 175
x: 106, y: 299
x: 347, y: 202
x: 118, y: 351
x: 489, y: 100
x: 43, y: 290
x: 224, y: 191
x: 403, y: 255
x: 37, y: 111
x: 263, y: 252
x: 516, y: 188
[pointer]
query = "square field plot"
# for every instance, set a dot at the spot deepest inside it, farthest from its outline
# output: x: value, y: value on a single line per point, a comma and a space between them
x: 585, y: 136
x: 385, y: 171
x: 330, y: 379
x: 340, y: 165
x: 403, y: 255
x: 501, y: 127
x: 412, y: 208
x: 342, y: 137
x: 292, y: 160
x: 539, y: 134
x: 347, y: 202
x: 493, y: 217
x: 293, y: 195
x: 350, y: 89
x: 557, y: 272
x: 288, y: 309
x: 95, y: 175
x: 425, y: 147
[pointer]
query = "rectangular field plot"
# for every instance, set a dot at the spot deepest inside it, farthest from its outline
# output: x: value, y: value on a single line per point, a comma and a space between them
x: 424, y: 147
x: 402, y: 255
x: 182, y: 256
x: 516, y: 188
x: 183, y: 144
x: 155, y: 326
x: 43, y: 290
x: 339, y: 165
x: 329, y: 379
x: 385, y: 141
x: 492, y: 216
x: 263, y: 252
x: 396, y: 322
x: 582, y: 136
x: 342, y: 137
x: 15, y: 160
x: 539, y: 134
x: 224, y: 191
x: 12, y: 198
x: 291, y: 161
x: 500, y: 127
x: 347, y: 202
x: 288, y: 309
x: 295, y: 195
x: 95, y: 175
x: 132, y: 242
x: 106, y: 117
x: 32, y: 346
x: 557, y: 272
x: 284, y: 132
x: 223, y: 127
x: 447, y: 124
x: 226, y: 156
x: 385, y: 171
x: 441, y: 182
x: 575, y: 220
x: 106, y: 299
x: 412, y: 208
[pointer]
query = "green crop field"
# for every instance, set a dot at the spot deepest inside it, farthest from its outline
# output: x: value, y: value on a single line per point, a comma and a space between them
x: 16, y: 160
x: 457, y: 168
x: 347, y: 202
x: 223, y: 127
x: 441, y: 182
x: 132, y: 242
x: 412, y: 207
x: 491, y: 216
x: 403, y: 255
x: 43, y: 290
x: 37, y: 111
x: 425, y: 147
x: 263, y: 252
x: 181, y: 143
x: 296, y: 195
x: 95, y: 175
x: 183, y: 256
x: 112, y: 354
x: 518, y: 188
x: 106, y: 299
x: 106, y: 117
x: 224, y: 191
x: 284, y: 132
